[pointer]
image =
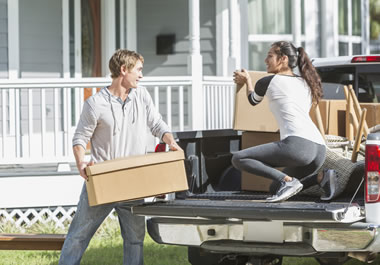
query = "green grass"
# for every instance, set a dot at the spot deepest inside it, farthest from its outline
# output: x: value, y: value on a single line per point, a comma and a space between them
x: 106, y: 248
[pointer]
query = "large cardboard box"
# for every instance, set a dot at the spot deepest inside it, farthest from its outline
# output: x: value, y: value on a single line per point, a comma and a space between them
x: 333, y: 114
x: 249, y: 181
x: 136, y: 177
x: 249, y: 118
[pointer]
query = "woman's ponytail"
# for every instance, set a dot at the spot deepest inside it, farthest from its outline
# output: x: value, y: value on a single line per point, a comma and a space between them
x: 309, y: 73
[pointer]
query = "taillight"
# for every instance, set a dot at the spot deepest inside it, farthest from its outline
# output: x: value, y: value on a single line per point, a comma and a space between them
x: 372, y: 171
x: 365, y: 59
x: 160, y: 148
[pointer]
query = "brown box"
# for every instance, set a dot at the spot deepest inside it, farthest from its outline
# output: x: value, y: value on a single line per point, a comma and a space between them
x: 253, y: 118
x: 373, y: 113
x: 250, y: 181
x: 136, y: 177
x: 334, y: 119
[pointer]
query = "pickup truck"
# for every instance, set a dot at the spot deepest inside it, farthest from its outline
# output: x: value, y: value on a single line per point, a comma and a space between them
x: 221, y: 224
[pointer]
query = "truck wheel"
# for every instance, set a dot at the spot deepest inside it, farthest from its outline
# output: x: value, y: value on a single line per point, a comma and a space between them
x: 197, y: 256
x: 332, y: 261
x: 265, y: 261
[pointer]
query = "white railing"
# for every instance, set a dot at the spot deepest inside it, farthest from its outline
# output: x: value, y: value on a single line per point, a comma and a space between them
x: 38, y: 116
x: 218, y: 102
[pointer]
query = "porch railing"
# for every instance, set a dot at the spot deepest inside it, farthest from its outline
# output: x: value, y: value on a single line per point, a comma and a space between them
x: 38, y: 116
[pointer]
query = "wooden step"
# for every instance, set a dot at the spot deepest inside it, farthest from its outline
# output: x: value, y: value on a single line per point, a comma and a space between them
x: 31, y: 241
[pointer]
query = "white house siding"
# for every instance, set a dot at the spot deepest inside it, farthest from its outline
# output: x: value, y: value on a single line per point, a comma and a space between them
x: 3, y: 39
x: 40, y: 38
x: 156, y: 17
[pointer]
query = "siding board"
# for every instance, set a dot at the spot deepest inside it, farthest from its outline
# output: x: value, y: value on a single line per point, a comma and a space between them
x: 152, y: 11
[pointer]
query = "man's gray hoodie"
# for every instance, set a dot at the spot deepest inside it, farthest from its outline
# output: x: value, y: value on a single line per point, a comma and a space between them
x: 116, y: 128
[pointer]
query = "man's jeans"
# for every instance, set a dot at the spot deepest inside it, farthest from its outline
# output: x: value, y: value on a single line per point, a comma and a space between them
x: 87, y: 220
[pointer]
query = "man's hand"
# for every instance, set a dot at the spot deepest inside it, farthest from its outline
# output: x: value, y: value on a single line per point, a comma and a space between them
x: 241, y: 77
x: 175, y: 147
x: 82, y: 168
x: 169, y: 140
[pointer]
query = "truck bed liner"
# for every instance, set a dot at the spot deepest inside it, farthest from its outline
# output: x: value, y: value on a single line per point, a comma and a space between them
x: 252, y: 210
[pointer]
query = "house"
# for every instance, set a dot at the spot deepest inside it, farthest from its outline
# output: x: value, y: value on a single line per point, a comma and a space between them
x: 54, y: 53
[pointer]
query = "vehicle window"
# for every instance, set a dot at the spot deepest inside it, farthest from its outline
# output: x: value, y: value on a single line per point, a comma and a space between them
x: 334, y: 79
x: 369, y: 88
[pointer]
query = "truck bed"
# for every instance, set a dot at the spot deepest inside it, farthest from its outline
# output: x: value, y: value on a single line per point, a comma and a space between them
x: 252, y: 206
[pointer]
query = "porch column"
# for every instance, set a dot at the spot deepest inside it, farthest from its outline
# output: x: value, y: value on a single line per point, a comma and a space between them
x: 195, y: 66
x: 222, y: 23
x: 131, y: 25
x: 312, y: 34
x: 365, y: 27
x: 329, y: 29
x: 296, y: 22
x: 13, y: 40
x: 234, y: 20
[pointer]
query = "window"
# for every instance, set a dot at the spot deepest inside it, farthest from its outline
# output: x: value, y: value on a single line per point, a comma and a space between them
x: 350, y: 27
x: 269, y: 17
x: 257, y: 54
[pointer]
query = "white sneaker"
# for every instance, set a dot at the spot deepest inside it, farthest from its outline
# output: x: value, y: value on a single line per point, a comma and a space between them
x: 286, y: 190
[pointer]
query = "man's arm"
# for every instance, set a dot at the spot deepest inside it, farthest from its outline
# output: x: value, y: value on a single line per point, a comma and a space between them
x: 79, y: 153
x: 169, y: 140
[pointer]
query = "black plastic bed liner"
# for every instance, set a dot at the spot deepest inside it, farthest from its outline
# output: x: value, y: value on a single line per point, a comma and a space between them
x: 257, y: 195
x: 248, y: 206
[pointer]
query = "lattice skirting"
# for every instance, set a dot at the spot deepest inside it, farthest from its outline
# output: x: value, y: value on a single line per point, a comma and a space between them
x: 61, y: 216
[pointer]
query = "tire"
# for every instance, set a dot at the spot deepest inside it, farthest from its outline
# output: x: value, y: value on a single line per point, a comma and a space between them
x: 196, y: 256
x: 332, y: 261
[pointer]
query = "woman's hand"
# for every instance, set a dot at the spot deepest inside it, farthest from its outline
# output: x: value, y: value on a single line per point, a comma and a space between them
x: 241, y: 77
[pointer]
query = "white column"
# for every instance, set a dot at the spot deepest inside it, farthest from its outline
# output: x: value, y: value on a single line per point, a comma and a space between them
x: 234, y: 20
x: 311, y: 28
x: 221, y: 37
x: 65, y: 39
x: 296, y: 22
x: 329, y: 28
x: 365, y: 27
x: 108, y: 36
x: 131, y: 25
x: 13, y: 40
x: 349, y: 24
x: 77, y: 39
x: 195, y: 66
x: 244, y: 33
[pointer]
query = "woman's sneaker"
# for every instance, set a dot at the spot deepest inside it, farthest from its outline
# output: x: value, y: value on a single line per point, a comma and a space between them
x: 329, y: 184
x: 286, y: 190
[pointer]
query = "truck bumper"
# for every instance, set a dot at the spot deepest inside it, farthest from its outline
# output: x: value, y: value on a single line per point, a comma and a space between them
x: 273, y: 237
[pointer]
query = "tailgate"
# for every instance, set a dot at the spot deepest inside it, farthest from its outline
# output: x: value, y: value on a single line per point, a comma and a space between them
x: 253, y: 210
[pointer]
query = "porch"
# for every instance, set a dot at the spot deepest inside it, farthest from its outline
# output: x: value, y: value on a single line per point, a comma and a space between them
x: 38, y: 117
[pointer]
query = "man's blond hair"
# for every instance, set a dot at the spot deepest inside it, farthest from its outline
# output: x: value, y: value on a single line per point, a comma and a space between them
x: 123, y: 57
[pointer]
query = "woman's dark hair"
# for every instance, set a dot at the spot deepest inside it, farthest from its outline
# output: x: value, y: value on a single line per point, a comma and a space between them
x: 298, y: 57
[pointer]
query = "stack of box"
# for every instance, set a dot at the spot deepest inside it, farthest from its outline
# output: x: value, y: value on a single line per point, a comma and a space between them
x: 259, y: 125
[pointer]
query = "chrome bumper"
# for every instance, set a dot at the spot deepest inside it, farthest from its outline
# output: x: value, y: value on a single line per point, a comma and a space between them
x: 324, y: 237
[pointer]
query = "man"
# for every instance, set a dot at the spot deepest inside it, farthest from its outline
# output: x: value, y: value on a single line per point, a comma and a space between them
x: 115, y: 120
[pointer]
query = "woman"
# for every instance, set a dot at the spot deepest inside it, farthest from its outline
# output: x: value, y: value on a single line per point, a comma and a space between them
x: 302, y: 149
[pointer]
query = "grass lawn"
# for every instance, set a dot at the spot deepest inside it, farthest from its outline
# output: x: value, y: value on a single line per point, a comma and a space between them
x: 106, y: 249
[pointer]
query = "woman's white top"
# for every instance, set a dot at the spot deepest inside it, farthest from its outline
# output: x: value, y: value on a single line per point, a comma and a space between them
x: 290, y: 101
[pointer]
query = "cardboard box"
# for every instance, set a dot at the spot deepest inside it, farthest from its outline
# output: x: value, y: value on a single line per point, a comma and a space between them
x: 259, y: 118
x: 373, y: 113
x: 136, y: 177
x: 333, y: 114
x: 253, y: 118
x: 250, y: 181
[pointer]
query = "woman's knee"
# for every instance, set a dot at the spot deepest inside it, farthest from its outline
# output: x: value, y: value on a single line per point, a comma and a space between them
x: 235, y: 160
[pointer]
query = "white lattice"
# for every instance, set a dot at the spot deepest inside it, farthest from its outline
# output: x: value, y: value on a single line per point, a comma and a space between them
x: 28, y: 217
